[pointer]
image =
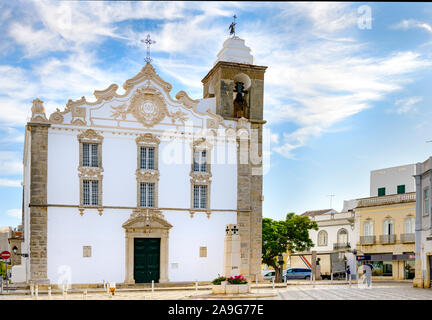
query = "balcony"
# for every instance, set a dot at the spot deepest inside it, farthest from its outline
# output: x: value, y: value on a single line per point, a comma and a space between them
x: 367, y: 240
x: 387, y: 238
x: 407, y: 237
x: 341, y: 246
x: 385, y: 200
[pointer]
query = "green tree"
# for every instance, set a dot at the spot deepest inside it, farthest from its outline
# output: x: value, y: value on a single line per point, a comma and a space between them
x: 278, y: 237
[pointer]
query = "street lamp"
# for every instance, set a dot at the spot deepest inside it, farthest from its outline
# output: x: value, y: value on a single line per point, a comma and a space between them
x: 15, y: 249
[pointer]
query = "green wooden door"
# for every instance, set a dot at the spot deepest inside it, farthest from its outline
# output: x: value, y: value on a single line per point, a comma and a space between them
x: 146, y: 259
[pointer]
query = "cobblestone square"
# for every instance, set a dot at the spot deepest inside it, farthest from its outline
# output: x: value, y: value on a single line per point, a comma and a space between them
x: 387, y: 291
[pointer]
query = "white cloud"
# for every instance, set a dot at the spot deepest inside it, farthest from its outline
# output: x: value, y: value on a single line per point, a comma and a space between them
x: 15, y: 213
x: 316, y: 78
x: 10, y: 183
x: 412, y: 24
x: 10, y: 163
x: 406, y: 105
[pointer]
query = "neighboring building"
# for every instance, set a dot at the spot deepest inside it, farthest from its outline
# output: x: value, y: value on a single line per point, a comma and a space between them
x: 5, y: 234
x: 335, y: 234
x: 423, y: 250
x: 394, y: 180
x: 386, y: 223
x: 16, y: 239
x: 139, y: 186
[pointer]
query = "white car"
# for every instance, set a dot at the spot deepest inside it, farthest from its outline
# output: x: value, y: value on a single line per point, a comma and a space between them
x: 271, y: 274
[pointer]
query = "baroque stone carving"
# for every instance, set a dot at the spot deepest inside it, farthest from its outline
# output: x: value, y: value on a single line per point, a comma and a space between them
x: 146, y: 175
x: 56, y: 117
x: 147, y: 139
x: 90, y: 172
x: 38, y: 111
x: 90, y: 136
x: 200, y: 177
x: 147, y: 106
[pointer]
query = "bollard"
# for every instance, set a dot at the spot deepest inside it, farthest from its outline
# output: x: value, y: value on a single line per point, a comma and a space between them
x: 85, y: 294
x: 49, y: 292
x: 31, y: 289
x: 256, y: 279
x: 349, y: 278
x: 331, y: 277
x: 37, y: 292
x: 196, y: 285
x: 273, y: 283
x: 152, y: 285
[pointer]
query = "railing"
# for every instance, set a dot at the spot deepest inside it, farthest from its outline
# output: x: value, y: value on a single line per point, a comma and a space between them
x: 390, y: 199
x: 387, y: 238
x: 407, y: 237
x: 338, y: 246
x: 367, y: 239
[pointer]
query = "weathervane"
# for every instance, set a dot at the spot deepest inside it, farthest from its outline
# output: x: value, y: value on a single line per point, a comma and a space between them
x: 148, y: 43
x: 232, y: 26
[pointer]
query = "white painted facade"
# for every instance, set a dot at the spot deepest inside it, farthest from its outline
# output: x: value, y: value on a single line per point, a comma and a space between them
x: 332, y: 224
x: 390, y: 178
x: 69, y: 229
x: 424, y: 224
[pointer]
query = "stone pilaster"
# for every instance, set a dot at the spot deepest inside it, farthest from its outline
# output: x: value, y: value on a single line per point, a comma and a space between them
x: 38, y: 201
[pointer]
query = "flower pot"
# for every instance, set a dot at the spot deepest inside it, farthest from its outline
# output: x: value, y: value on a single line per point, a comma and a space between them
x: 232, y: 288
x: 219, y: 288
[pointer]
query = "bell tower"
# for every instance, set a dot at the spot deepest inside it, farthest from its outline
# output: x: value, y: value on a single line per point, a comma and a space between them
x: 235, y: 82
x: 237, y: 85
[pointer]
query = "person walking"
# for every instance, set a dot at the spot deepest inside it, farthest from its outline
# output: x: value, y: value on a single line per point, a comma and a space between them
x: 367, y: 270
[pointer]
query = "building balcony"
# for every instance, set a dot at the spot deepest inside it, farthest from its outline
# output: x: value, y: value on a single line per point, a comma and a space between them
x: 365, y: 240
x: 341, y: 246
x: 407, y: 237
x: 388, y: 238
x: 385, y: 200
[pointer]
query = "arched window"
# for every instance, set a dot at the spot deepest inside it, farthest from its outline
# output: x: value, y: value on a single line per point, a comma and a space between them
x: 322, y: 238
x: 410, y: 225
x: 342, y: 236
x: 368, y: 228
x: 388, y: 227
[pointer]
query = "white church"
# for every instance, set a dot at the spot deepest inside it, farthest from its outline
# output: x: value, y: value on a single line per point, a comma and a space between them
x: 140, y: 186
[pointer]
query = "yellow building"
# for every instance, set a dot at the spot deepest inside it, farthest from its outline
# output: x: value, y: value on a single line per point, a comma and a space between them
x: 386, y: 234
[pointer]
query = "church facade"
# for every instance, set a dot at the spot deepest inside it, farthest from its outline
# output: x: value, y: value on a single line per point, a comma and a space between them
x: 140, y: 186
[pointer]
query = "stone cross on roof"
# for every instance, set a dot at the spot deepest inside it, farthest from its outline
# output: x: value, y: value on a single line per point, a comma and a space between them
x: 148, y: 43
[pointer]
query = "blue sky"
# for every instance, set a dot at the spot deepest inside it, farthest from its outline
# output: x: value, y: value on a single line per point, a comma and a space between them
x: 340, y: 100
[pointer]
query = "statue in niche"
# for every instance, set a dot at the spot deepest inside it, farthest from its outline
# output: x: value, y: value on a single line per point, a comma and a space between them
x: 241, y: 108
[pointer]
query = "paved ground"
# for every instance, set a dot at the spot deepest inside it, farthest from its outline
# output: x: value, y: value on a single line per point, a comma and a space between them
x: 381, y: 291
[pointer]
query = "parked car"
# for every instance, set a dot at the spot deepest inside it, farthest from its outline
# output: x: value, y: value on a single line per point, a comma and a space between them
x: 298, y: 273
x: 271, y: 274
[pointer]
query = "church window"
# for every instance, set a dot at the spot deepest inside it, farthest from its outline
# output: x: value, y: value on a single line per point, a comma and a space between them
x: 322, y: 238
x: 147, y: 195
x: 200, y: 161
x: 200, y: 197
x: 90, y: 155
x: 90, y: 192
x: 147, y: 158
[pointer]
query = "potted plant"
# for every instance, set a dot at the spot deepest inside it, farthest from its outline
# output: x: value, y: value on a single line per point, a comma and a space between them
x: 237, y: 284
x: 218, y: 285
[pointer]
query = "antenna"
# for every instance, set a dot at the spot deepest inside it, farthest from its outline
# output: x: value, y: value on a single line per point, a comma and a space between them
x: 331, y: 198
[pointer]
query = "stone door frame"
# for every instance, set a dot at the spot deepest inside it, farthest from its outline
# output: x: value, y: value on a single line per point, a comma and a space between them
x: 146, y: 224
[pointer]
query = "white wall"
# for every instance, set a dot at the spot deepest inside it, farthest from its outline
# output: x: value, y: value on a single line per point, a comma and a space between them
x: 119, y: 161
x: 390, y: 178
x: 68, y: 232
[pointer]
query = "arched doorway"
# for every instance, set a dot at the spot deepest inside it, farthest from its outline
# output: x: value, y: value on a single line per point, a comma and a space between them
x: 147, y: 235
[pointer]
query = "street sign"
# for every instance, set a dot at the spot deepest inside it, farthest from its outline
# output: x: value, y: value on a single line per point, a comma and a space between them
x: 5, y: 255
x: 361, y: 258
